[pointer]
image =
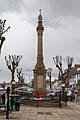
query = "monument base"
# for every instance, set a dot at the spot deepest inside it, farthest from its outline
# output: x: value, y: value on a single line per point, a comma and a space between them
x: 42, y: 93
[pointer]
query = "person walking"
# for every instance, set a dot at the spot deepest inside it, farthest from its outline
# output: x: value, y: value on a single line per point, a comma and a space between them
x: 76, y: 96
x: 66, y: 97
x: 3, y: 98
x: 17, y: 103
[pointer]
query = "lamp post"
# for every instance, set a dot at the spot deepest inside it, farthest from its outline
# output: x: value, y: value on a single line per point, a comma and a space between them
x: 49, y: 70
x: 8, y: 92
x: 2, y: 31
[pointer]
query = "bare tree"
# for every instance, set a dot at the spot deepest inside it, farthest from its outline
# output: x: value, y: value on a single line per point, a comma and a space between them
x: 49, y: 70
x: 12, y: 63
x: 2, y: 31
x: 20, y: 77
x: 58, y: 62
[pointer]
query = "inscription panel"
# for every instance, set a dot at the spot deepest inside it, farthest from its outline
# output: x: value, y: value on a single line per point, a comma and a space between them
x: 39, y: 81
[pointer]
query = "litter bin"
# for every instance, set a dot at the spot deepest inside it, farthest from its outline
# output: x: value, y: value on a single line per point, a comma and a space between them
x: 14, y: 102
x: 17, y: 103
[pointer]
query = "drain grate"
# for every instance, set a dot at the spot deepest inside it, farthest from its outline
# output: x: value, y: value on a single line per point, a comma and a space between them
x: 40, y: 113
x: 48, y: 113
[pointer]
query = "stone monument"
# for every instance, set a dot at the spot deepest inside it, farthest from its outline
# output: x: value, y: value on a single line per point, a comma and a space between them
x: 40, y: 71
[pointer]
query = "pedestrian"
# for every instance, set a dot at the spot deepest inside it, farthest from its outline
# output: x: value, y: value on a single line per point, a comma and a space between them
x: 76, y: 96
x: 12, y: 103
x: 66, y: 98
x: 17, y: 104
x: 3, y: 98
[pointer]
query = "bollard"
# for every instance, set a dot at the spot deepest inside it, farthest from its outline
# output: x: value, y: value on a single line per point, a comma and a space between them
x: 60, y: 99
x: 7, y: 111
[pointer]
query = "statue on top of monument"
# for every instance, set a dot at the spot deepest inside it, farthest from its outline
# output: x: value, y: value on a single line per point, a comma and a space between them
x: 40, y: 16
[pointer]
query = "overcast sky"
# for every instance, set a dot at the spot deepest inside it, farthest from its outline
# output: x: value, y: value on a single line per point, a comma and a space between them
x: 61, y: 21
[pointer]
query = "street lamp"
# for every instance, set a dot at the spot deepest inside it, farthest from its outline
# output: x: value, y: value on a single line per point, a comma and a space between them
x: 2, y: 31
x: 49, y: 70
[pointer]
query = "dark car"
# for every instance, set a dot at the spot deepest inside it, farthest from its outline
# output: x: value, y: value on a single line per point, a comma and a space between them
x: 24, y: 92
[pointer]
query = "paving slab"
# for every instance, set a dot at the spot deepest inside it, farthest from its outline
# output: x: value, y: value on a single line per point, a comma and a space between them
x: 69, y: 112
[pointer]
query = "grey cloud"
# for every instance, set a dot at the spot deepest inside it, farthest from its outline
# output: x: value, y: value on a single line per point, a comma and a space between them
x: 10, y: 5
x: 51, y: 9
x: 71, y: 46
x: 55, y: 8
x: 54, y: 23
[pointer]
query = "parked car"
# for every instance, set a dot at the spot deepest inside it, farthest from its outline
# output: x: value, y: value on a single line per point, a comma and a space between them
x: 24, y: 92
x: 52, y: 93
x: 1, y: 88
x: 70, y: 95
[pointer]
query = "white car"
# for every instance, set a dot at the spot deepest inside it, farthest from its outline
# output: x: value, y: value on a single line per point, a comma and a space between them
x: 1, y: 88
x: 70, y: 95
x: 51, y: 93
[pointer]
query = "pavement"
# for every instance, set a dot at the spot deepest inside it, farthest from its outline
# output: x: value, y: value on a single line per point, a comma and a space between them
x: 69, y: 112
